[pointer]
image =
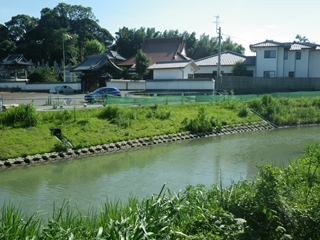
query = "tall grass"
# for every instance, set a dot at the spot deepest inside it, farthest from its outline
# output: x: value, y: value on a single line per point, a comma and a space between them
x: 287, y: 111
x: 279, y: 204
x: 89, y: 127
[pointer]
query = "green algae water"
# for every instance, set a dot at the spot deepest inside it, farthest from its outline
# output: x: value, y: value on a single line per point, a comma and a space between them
x: 88, y: 182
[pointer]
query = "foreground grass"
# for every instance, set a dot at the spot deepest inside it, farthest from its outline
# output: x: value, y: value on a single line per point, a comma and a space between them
x: 89, y: 127
x: 279, y: 204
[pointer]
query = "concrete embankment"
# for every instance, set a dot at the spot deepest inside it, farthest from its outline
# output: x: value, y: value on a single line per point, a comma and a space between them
x: 131, y: 144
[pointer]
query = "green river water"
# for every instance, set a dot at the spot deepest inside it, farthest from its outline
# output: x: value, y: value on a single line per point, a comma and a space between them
x: 88, y: 182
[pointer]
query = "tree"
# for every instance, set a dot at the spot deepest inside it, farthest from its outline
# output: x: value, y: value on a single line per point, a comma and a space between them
x: 239, y: 69
x: 45, y: 74
x: 7, y: 45
x: 205, y: 46
x: 20, y: 25
x: 142, y: 64
x: 94, y: 47
x: 129, y: 41
x: 302, y: 39
x: 228, y: 45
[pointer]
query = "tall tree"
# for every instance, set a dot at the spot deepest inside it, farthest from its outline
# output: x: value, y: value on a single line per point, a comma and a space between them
x: 20, y: 25
x: 205, y: 46
x: 191, y: 43
x: 142, y: 64
x: 129, y: 41
x: 229, y: 45
x: 94, y: 47
x: 7, y: 45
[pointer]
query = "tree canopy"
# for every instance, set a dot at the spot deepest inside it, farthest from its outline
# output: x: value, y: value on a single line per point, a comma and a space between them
x: 40, y: 39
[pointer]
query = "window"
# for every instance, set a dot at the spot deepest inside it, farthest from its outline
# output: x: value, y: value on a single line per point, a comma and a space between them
x: 269, y: 74
x: 298, y: 55
x: 291, y: 74
x: 285, y: 55
x: 269, y: 53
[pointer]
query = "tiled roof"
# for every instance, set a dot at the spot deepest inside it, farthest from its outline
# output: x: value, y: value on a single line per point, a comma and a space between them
x: 173, y: 65
x: 94, y: 62
x: 160, y: 50
x: 16, y: 59
x: 293, y: 46
x: 114, y: 55
x: 298, y: 46
x: 227, y: 59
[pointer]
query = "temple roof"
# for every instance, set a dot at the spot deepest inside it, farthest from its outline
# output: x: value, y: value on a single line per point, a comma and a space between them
x: 160, y: 50
x: 16, y: 60
x: 95, y: 62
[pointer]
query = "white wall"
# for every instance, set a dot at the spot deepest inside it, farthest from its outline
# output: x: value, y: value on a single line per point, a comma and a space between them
x: 127, y: 84
x: 302, y: 65
x: 37, y: 86
x: 265, y: 64
x: 175, y: 73
x: 181, y: 84
x: 168, y: 74
x: 314, y: 64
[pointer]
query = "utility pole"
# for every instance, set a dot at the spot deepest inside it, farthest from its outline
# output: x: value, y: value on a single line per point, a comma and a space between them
x: 219, y: 50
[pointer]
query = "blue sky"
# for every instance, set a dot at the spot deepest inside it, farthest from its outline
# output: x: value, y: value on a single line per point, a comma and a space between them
x: 245, y: 21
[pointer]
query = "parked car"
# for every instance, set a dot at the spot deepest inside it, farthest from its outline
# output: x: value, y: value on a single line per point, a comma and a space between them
x: 99, y: 94
x: 63, y: 89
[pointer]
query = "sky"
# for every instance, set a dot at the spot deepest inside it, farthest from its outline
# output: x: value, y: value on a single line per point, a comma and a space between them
x: 244, y: 21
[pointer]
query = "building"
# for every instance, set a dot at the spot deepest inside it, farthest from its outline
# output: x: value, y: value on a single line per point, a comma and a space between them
x: 174, y: 69
x: 14, y: 68
x: 286, y: 59
x: 209, y: 65
x: 159, y: 50
x: 95, y: 69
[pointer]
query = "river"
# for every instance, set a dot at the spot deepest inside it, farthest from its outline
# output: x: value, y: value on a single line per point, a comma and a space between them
x: 88, y: 182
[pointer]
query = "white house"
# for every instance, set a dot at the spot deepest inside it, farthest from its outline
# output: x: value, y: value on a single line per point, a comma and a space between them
x: 174, y: 69
x: 278, y: 59
x: 209, y: 65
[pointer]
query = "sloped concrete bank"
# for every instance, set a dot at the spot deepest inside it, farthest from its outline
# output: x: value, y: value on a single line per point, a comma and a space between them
x: 130, y: 144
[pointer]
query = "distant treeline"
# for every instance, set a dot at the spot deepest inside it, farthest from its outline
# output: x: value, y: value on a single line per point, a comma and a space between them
x: 41, y: 39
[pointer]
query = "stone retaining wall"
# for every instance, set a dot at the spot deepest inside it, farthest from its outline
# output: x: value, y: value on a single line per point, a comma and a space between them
x: 130, y: 144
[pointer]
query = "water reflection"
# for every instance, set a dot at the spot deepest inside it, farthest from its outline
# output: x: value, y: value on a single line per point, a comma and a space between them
x: 142, y: 172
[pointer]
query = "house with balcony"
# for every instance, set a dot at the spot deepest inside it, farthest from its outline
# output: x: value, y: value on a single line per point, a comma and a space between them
x: 286, y: 59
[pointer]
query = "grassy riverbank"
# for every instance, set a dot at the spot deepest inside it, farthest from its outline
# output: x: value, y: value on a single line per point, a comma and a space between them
x: 280, y: 204
x: 25, y: 131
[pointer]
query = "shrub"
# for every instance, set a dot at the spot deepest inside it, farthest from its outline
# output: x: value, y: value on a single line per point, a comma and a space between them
x: 202, y: 123
x: 25, y: 115
x: 244, y: 112
x: 45, y: 74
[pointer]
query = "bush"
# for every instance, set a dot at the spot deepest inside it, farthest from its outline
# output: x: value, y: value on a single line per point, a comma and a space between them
x: 25, y: 115
x: 45, y: 74
x: 202, y: 123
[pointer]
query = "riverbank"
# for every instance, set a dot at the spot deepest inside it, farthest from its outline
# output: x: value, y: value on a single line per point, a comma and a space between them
x: 28, y: 139
x: 130, y: 144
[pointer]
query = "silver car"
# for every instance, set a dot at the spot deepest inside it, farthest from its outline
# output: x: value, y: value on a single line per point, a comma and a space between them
x: 63, y: 89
